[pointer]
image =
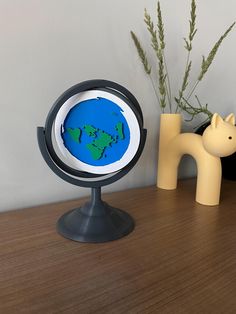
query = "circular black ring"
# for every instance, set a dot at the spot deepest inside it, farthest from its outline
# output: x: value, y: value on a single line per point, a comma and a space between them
x: 109, y: 86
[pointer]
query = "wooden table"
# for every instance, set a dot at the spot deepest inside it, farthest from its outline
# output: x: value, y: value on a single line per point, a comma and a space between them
x: 181, y: 258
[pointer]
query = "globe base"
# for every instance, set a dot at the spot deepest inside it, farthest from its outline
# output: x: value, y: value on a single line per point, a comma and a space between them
x: 95, y: 222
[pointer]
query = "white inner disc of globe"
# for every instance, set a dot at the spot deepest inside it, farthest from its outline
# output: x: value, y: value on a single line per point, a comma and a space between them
x: 129, y: 117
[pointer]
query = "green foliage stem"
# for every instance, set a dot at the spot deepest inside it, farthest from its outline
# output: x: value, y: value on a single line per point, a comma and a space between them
x: 188, y: 46
x: 195, y: 110
x: 161, y: 36
x: 158, y: 51
x: 206, y: 62
x: 141, y: 53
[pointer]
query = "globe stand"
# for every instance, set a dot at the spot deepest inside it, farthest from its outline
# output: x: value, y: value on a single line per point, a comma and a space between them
x: 95, y: 221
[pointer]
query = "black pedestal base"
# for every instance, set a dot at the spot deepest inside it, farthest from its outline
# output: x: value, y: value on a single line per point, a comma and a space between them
x: 95, y: 222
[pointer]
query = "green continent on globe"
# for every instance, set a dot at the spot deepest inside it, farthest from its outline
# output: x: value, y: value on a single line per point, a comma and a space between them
x: 75, y: 134
x: 119, y: 129
x: 98, y: 146
x: 102, y: 141
x: 90, y: 130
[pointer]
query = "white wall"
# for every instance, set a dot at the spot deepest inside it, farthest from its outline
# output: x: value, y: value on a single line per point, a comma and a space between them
x: 49, y: 45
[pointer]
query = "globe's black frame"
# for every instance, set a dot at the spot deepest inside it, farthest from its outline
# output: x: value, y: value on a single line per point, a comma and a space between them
x: 104, y: 223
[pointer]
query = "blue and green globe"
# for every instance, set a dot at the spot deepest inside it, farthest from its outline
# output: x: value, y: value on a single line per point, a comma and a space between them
x: 95, y: 132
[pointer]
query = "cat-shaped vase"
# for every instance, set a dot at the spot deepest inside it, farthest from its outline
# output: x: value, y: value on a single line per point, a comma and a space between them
x: 218, y: 140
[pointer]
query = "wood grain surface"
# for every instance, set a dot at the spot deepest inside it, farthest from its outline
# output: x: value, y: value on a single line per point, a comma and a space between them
x: 181, y: 258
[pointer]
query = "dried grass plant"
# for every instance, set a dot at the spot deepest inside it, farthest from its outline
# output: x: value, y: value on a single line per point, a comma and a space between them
x: 162, y: 88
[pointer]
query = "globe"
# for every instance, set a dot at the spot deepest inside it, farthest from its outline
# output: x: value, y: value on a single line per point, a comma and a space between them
x: 96, y: 132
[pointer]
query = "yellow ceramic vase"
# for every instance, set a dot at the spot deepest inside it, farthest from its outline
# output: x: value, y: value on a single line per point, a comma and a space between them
x: 218, y: 140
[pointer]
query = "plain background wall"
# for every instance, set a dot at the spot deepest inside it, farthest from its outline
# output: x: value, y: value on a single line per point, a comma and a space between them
x: 49, y: 45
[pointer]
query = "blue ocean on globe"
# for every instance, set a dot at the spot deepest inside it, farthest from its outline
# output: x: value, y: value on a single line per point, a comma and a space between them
x: 96, y: 132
